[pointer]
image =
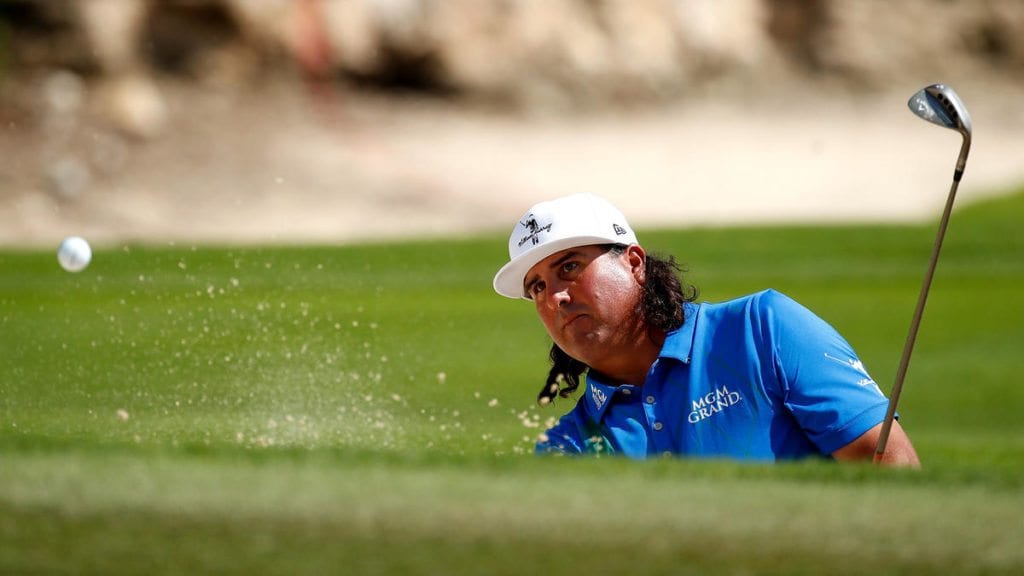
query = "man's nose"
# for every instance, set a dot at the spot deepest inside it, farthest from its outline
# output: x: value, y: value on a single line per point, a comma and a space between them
x: 559, y: 295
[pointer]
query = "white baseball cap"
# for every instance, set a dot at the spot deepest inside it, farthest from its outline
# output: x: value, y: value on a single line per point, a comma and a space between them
x: 554, y: 225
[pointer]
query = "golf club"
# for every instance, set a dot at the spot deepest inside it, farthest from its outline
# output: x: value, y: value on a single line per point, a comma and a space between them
x: 938, y: 104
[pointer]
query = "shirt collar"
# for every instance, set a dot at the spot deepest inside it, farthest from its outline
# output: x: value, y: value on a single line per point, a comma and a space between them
x: 679, y: 342
x: 677, y: 346
x: 598, y: 396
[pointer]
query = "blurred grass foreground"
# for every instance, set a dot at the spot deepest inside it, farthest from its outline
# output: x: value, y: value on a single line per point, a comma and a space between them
x: 368, y: 409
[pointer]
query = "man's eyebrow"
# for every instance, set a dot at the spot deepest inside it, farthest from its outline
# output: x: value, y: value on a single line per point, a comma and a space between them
x: 567, y: 256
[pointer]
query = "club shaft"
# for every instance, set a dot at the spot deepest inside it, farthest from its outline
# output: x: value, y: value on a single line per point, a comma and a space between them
x: 908, y: 348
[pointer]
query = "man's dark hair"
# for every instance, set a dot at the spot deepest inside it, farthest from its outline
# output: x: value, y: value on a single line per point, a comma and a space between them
x: 661, y: 306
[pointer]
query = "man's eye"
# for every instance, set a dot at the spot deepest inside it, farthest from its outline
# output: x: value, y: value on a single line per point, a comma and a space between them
x: 570, y: 266
x: 536, y: 288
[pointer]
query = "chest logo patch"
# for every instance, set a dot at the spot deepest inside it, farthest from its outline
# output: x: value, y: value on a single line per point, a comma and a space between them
x: 712, y: 403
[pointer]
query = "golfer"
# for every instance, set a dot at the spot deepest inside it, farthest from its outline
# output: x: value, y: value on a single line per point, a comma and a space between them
x: 755, y: 378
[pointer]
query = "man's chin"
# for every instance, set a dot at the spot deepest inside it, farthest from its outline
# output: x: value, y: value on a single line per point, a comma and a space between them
x: 580, y: 347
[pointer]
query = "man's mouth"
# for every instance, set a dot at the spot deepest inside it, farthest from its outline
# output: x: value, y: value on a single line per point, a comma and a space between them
x: 573, y: 319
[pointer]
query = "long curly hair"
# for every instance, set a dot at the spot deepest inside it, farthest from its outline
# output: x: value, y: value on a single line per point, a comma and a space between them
x: 661, y: 306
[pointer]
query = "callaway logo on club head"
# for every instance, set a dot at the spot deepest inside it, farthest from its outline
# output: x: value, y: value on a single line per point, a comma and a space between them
x: 533, y: 230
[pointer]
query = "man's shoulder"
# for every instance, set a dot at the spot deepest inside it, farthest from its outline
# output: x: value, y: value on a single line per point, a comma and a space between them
x: 765, y: 300
x: 768, y: 309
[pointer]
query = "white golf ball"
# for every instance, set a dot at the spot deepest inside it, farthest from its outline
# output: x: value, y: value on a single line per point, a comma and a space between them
x: 74, y: 254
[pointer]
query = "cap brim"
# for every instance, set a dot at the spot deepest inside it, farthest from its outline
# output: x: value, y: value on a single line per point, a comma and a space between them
x: 509, y: 280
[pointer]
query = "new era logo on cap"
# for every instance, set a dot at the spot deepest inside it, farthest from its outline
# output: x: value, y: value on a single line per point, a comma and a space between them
x: 555, y: 225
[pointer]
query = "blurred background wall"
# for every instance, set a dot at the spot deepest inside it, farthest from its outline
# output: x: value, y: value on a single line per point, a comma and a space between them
x: 298, y: 120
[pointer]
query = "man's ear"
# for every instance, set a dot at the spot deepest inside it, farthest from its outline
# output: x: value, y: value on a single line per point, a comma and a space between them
x: 637, y: 259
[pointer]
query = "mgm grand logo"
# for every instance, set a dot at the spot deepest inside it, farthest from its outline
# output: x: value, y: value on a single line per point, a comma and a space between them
x: 712, y: 403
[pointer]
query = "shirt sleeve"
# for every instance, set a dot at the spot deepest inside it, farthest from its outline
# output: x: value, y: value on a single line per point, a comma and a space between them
x: 565, y: 437
x: 822, y: 382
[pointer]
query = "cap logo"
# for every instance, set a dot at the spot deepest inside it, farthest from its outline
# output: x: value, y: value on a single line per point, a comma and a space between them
x: 533, y: 231
x: 619, y: 230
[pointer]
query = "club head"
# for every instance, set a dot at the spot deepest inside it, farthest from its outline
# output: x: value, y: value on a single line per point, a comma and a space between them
x: 939, y: 104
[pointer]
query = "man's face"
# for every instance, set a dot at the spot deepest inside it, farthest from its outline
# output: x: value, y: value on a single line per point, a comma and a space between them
x: 588, y: 298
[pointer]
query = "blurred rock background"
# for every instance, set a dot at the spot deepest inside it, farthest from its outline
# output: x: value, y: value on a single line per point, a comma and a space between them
x: 335, y: 120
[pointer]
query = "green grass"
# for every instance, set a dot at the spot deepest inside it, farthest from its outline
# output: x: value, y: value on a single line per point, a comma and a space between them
x: 368, y: 410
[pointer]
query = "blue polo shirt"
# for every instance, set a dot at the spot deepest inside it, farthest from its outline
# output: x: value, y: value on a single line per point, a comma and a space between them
x: 756, y: 378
